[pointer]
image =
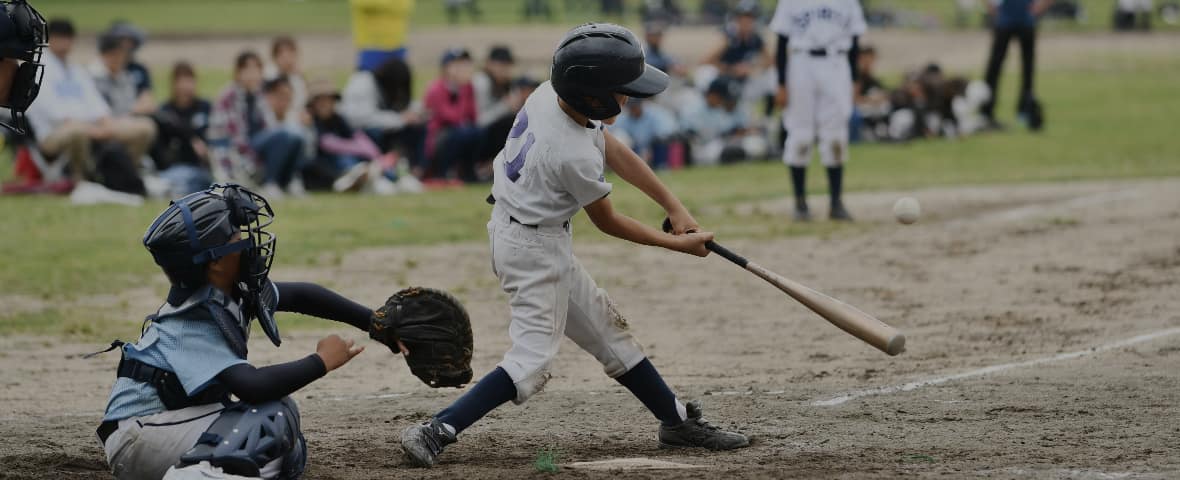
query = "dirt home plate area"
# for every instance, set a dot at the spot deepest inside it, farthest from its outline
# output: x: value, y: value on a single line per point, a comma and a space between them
x: 1043, y: 326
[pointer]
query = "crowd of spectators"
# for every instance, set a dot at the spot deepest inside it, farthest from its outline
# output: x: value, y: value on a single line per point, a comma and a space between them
x: 274, y: 128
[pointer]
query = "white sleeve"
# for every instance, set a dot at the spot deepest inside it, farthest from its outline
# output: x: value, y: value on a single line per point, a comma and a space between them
x: 358, y: 104
x: 781, y: 22
x: 858, y: 25
x: 582, y: 177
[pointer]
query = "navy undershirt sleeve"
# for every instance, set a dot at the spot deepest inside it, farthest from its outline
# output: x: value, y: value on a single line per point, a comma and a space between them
x: 852, y: 54
x: 780, y: 59
x: 317, y: 301
x: 259, y: 385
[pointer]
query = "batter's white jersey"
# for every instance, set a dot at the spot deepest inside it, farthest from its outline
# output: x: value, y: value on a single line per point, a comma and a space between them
x: 550, y: 166
x: 813, y: 24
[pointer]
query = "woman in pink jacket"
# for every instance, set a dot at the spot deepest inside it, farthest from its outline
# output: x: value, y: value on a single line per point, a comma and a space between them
x: 452, y: 136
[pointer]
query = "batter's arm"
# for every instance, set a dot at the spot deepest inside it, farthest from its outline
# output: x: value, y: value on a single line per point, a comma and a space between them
x: 631, y: 168
x: 604, y: 216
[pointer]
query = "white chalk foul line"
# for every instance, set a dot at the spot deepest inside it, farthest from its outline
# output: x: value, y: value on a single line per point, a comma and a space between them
x: 905, y: 387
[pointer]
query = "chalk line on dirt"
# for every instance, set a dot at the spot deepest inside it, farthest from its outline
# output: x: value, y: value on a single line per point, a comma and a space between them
x: 1028, y: 211
x: 905, y: 387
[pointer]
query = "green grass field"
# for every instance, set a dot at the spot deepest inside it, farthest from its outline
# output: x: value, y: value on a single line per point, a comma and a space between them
x: 1109, y: 121
x: 241, y: 16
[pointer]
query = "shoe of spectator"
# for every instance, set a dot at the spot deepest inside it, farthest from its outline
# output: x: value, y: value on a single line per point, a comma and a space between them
x: 353, y: 179
x: 382, y: 186
x: 89, y: 193
x: 272, y: 192
x: 296, y: 188
x: 156, y: 187
x: 408, y: 183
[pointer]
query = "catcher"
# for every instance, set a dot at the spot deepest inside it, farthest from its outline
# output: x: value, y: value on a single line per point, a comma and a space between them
x: 170, y: 414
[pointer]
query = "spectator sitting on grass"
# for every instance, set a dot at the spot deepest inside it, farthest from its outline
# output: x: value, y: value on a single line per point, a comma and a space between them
x: 180, y: 153
x: 719, y: 128
x: 283, y: 143
x: 452, y: 136
x: 132, y: 38
x: 247, y: 148
x: 346, y: 159
x: 284, y: 55
x: 380, y: 103
x: 70, y: 114
x: 115, y: 82
x: 497, y: 101
x: 646, y: 127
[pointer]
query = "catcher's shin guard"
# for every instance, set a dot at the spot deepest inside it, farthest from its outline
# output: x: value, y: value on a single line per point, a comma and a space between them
x: 246, y: 439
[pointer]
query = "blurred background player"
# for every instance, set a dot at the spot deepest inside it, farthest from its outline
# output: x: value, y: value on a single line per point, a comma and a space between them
x: 1015, y: 18
x: 816, y: 60
x: 379, y: 29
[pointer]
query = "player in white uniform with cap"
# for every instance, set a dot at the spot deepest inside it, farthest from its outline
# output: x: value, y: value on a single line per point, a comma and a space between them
x: 551, y: 166
x: 817, y: 47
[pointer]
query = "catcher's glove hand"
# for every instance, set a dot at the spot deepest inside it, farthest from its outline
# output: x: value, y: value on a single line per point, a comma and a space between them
x: 435, y: 329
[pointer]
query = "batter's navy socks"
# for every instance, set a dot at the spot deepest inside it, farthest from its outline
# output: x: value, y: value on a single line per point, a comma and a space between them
x: 648, y: 386
x: 799, y: 185
x: 494, y: 389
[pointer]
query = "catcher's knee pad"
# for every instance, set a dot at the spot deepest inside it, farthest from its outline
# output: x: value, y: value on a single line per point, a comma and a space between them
x: 260, y: 440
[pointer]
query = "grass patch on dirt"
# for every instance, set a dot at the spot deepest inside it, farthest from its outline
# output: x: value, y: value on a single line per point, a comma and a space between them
x: 1112, y: 120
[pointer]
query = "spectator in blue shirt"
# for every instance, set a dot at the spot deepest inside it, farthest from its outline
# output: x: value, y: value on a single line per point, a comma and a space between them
x: 1015, y: 18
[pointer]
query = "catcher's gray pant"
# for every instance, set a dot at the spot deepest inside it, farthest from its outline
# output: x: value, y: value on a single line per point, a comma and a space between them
x: 552, y: 295
x: 146, y: 447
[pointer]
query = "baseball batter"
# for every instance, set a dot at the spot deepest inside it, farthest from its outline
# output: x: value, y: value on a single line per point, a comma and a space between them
x: 551, y: 166
x: 816, y: 58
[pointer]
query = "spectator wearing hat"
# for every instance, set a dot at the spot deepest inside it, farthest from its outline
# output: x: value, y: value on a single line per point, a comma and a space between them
x: 284, y: 57
x: 719, y: 128
x: 452, y: 134
x: 742, y: 50
x: 380, y: 102
x: 115, y: 82
x: 180, y: 153
x: 345, y: 158
x: 133, y: 38
x: 496, y: 100
x: 70, y: 116
x: 653, y: 49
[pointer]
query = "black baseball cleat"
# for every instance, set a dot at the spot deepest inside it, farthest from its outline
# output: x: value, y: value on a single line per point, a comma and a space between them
x: 802, y: 214
x: 838, y: 213
x: 695, y: 432
x: 424, y: 442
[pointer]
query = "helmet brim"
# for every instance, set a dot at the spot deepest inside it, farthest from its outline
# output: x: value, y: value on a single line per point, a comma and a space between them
x: 652, y: 82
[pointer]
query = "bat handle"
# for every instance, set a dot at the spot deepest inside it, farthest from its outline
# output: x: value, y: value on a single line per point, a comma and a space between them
x: 715, y: 248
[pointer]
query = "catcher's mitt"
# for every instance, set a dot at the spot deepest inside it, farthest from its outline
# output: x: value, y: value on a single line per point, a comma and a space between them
x: 435, y: 329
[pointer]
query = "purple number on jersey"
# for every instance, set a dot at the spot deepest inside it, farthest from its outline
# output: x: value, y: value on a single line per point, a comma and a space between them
x: 513, y: 167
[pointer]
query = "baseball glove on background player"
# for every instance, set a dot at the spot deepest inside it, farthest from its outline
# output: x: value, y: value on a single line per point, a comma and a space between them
x: 436, y: 331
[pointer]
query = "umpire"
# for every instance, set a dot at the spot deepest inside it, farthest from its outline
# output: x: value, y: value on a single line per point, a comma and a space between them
x: 1015, y: 18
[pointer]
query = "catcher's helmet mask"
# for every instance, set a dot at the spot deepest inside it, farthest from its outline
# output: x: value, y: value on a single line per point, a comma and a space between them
x: 595, y: 61
x: 208, y: 234
x: 24, y: 36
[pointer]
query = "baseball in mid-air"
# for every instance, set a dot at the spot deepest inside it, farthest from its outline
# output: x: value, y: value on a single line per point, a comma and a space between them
x: 907, y: 210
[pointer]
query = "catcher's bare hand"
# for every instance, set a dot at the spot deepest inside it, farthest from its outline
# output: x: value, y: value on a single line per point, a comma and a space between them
x: 336, y: 351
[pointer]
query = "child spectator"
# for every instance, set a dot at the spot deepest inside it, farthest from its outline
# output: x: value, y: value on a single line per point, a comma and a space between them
x: 284, y: 55
x: 70, y: 115
x: 180, y: 153
x: 346, y: 158
x: 132, y: 38
x: 742, y: 51
x: 247, y: 148
x: 719, y: 129
x: 646, y: 127
x: 452, y: 136
x: 653, y: 40
x: 114, y: 80
x: 871, y: 107
x: 379, y: 103
x: 283, y: 142
x: 497, y: 101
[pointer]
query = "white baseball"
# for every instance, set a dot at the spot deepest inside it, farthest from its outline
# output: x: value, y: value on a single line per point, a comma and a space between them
x: 907, y: 210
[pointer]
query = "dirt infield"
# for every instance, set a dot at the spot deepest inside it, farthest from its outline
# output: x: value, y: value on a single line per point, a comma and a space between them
x: 1042, y: 274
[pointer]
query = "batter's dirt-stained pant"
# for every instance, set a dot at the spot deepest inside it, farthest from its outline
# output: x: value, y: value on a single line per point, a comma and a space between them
x: 552, y: 295
x: 819, y: 107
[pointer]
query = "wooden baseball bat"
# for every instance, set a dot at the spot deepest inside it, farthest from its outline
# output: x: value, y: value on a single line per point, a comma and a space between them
x: 847, y: 317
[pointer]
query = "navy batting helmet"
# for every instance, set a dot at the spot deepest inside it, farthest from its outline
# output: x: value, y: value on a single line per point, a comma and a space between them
x: 597, y: 60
